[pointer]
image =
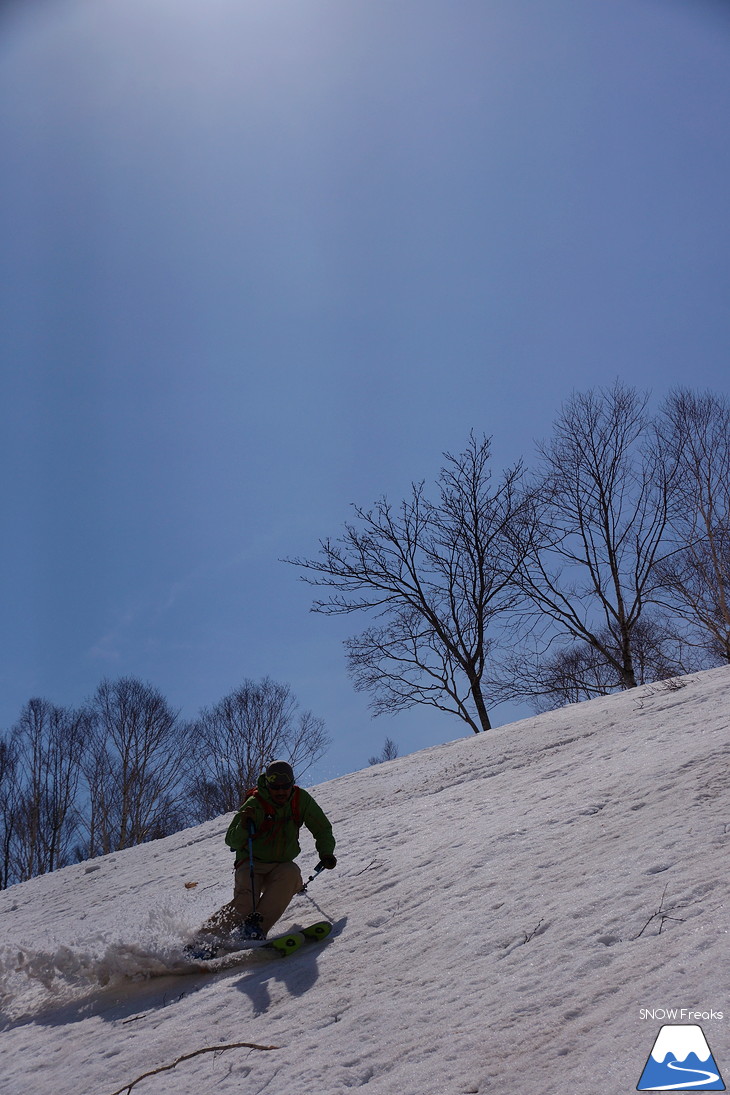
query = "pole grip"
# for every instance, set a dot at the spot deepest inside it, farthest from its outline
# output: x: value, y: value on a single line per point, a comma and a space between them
x: 317, y: 869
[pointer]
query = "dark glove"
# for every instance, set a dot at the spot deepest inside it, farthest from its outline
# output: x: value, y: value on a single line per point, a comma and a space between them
x: 328, y: 861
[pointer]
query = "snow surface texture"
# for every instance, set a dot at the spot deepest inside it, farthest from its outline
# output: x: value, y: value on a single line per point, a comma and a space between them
x: 504, y: 905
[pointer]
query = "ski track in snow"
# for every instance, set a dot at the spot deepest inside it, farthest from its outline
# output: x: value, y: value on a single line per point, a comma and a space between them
x: 504, y: 906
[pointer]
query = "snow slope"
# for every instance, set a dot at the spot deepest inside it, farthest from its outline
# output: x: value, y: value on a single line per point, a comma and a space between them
x: 508, y: 907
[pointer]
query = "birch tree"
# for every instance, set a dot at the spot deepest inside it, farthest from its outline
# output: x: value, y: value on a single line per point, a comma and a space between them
x: 695, y: 575
x: 135, y: 765
x: 8, y: 808
x: 234, y: 740
x: 602, y: 501
x: 47, y: 742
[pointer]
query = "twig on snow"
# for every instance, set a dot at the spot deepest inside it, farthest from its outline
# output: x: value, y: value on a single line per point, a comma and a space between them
x: 186, y: 1057
x: 663, y: 916
x: 533, y: 933
x: 369, y: 867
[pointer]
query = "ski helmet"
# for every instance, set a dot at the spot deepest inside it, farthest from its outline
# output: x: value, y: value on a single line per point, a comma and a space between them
x: 281, y: 772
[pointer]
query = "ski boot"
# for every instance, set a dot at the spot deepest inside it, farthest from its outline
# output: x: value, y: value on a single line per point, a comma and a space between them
x: 202, y: 949
x: 251, y: 930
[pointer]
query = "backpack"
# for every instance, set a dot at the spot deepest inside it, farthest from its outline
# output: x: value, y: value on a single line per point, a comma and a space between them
x: 270, y: 809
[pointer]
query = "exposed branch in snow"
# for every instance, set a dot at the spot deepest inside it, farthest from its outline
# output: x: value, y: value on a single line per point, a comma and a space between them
x: 372, y: 865
x: 533, y: 933
x: 663, y: 916
x: 186, y: 1057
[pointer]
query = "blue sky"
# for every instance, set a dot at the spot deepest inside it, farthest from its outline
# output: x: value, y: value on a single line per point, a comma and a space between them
x: 263, y: 259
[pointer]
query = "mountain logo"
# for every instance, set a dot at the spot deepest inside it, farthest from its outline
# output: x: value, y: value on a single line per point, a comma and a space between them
x: 681, y: 1060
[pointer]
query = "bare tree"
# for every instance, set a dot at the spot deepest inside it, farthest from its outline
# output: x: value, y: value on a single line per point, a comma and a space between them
x: 602, y: 504
x: 437, y: 578
x: 389, y: 752
x: 135, y: 765
x: 235, y: 739
x: 48, y: 741
x: 8, y: 808
x: 579, y: 670
x: 569, y: 674
x: 695, y: 431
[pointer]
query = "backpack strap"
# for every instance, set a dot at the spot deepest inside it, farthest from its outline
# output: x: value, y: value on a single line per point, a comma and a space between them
x: 270, y: 809
x: 296, y: 808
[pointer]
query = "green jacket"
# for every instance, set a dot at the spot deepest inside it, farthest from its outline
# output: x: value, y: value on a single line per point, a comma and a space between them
x: 276, y: 839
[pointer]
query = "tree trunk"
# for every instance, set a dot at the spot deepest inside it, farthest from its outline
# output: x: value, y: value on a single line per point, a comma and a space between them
x: 476, y: 691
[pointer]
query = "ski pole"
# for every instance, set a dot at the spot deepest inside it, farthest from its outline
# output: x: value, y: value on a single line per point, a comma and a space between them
x: 317, y: 869
x: 251, y: 830
x: 255, y: 918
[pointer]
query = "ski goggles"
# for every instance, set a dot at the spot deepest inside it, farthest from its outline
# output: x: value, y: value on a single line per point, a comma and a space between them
x: 279, y: 783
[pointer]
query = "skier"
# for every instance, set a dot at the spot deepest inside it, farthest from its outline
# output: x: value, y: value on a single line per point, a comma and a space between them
x: 264, y: 887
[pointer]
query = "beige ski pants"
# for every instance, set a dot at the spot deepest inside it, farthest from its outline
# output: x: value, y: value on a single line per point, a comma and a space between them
x: 274, y: 884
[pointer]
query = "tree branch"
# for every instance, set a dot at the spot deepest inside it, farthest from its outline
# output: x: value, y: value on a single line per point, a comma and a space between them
x: 186, y: 1057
